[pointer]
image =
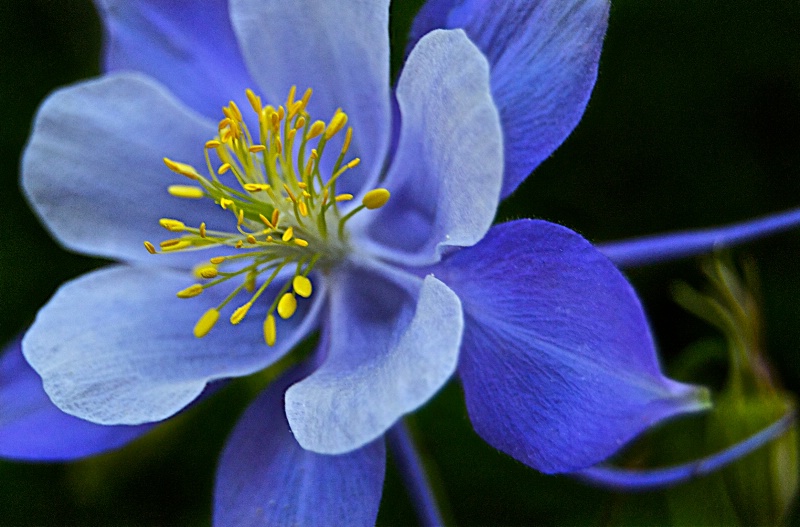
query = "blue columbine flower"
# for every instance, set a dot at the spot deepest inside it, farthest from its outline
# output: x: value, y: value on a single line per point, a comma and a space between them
x: 327, y: 209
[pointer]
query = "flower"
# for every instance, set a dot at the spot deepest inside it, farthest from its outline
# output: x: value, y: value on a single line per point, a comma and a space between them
x: 549, y: 339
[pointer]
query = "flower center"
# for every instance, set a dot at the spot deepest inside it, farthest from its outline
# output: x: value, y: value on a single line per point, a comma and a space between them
x: 287, y: 215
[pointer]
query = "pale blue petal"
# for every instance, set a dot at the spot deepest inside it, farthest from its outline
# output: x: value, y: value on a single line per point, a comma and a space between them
x: 93, y: 169
x: 446, y: 176
x: 338, y: 49
x: 32, y: 428
x: 116, y: 346
x: 389, y: 353
x: 266, y: 478
x: 558, y: 365
x: 186, y: 45
x: 544, y: 56
x: 665, y: 247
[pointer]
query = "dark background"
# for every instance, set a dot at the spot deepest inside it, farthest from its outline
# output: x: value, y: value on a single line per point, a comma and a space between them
x: 695, y: 121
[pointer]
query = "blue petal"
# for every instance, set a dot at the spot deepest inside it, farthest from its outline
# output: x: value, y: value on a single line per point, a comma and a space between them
x: 446, y: 176
x: 389, y: 353
x: 674, y: 245
x: 558, y: 365
x: 544, y: 56
x: 340, y: 50
x: 116, y: 346
x: 266, y: 478
x: 93, y: 169
x: 188, y: 46
x: 33, y: 429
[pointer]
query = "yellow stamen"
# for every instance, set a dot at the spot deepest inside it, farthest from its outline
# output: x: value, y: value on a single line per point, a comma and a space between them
x: 376, y: 198
x: 302, y: 286
x: 216, y: 260
x: 270, y: 332
x: 288, y: 234
x: 212, y: 144
x: 255, y: 100
x: 181, y: 244
x: 181, y: 168
x: 316, y: 129
x: 172, y: 225
x: 186, y: 191
x: 206, y: 322
x: 203, y: 230
x: 240, y: 312
x: 301, y: 242
x: 251, y: 239
x: 344, y: 197
x: 287, y: 305
x: 337, y: 123
x: 150, y: 247
x: 208, y: 272
x: 224, y: 168
x: 191, y: 291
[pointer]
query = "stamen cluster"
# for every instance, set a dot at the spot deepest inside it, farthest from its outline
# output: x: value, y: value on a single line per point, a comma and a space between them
x: 286, y: 214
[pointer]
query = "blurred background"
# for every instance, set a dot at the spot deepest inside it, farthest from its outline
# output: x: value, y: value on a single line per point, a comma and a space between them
x: 694, y: 122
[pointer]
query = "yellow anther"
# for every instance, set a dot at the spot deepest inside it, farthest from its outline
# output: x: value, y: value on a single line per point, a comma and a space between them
x: 347, y: 138
x: 225, y: 203
x: 309, y: 167
x: 172, y: 225
x: 278, y: 145
x: 306, y: 97
x: 269, y: 239
x: 224, y: 168
x: 181, y: 168
x: 287, y: 235
x: 254, y: 149
x: 344, y: 197
x: 212, y: 144
x: 270, y: 332
x: 316, y: 129
x: 281, y: 113
x: 287, y: 305
x: 290, y: 97
x: 208, y: 272
x: 236, y: 114
x: 302, y: 286
x: 217, y: 260
x: 376, y: 198
x: 354, y: 163
x: 182, y: 244
x: 337, y: 123
x: 240, y: 312
x: 275, y: 216
x: 255, y: 100
x: 186, y: 191
x: 191, y: 291
x: 265, y: 221
x: 238, y: 244
x: 300, y: 242
x: 303, y: 186
x: 240, y: 217
x: 250, y: 282
x: 203, y: 230
x: 303, y: 208
x: 251, y: 239
x: 206, y: 322
x: 150, y: 247
x: 289, y: 191
x: 301, y: 122
x: 256, y: 187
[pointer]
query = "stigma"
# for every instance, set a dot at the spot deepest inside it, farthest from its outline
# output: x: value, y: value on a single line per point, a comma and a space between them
x: 284, y: 211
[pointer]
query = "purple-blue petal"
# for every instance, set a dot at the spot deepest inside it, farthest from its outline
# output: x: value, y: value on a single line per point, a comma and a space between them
x: 266, y: 478
x: 116, y: 346
x: 394, y: 342
x: 186, y: 45
x: 665, y: 247
x: 558, y: 365
x: 339, y: 49
x: 33, y: 429
x: 93, y: 168
x: 447, y: 172
x: 544, y: 56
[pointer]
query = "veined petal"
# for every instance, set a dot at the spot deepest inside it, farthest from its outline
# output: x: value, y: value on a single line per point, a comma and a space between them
x: 665, y: 247
x: 188, y: 46
x: 33, y: 429
x: 340, y: 50
x: 391, y: 348
x: 93, y: 168
x: 558, y: 365
x: 446, y: 176
x: 116, y: 346
x: 544, y: 56
x: 266, y: 478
